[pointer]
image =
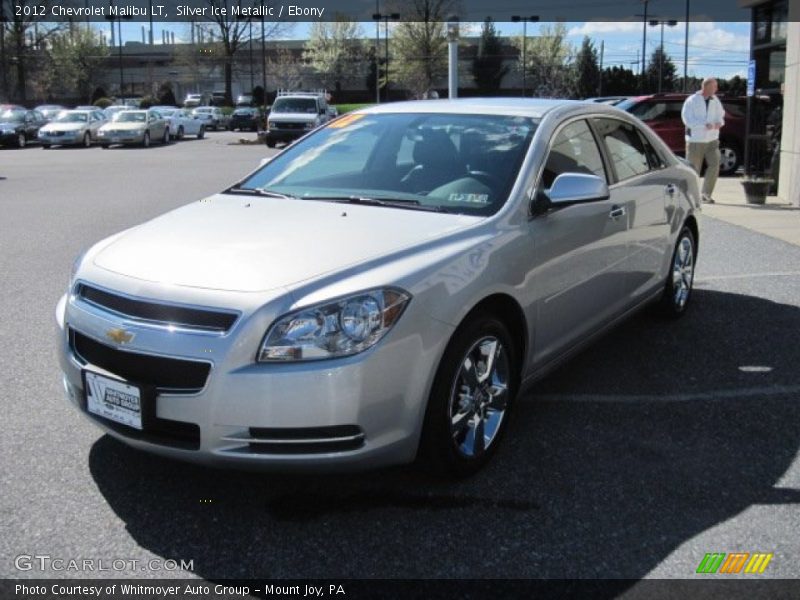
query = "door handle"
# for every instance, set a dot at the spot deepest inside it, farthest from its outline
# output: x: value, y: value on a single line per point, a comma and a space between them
x: 671, y: 189
x: 616, y: 212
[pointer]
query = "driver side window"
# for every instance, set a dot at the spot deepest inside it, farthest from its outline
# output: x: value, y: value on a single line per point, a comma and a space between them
x: 573, y: 150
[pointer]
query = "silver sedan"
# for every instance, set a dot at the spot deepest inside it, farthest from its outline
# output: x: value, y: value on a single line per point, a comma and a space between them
x: 383, y: 289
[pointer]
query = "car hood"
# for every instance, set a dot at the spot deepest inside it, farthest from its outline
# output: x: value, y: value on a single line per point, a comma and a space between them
x: 63, y: 126
x: 253, y: 244
x: 278, y: 117
x: 123, y: 126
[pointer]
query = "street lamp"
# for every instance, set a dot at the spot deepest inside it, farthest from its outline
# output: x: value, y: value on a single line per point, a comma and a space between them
x: 118, y: 18
x: 378, y: 17
x: 452, y: 61
x: 656, y: 23
x: 525, y: 21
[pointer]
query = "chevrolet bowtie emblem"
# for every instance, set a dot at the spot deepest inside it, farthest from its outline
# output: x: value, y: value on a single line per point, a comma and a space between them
x: 119, y: 335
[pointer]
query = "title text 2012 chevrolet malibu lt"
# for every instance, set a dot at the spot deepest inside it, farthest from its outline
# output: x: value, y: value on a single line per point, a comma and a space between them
x: 382, y: 288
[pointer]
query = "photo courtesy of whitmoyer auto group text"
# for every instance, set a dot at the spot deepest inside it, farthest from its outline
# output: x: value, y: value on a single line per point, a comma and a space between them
x: 399, y: 299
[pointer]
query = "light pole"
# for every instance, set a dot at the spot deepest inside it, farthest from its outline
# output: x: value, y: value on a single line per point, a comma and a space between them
x: 118, y: 18
x: 452, y: 62
x: 377, y: 17
x: 655, y: 23
x: 686, y: 50
x: 4, y: 89
x: 263, y: 57
x: 644, y: 42
x: 525, y: 21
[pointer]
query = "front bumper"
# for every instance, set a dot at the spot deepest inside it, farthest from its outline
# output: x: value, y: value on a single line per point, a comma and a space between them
x: 285, y: 135
x: 351, y: 413
x: 60, y: 140
x: 127, y: 137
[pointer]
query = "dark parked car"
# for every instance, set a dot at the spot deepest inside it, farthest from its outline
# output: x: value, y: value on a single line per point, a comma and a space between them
x: 662, y: 112
x: 245, y: 118
x: 18, y: 125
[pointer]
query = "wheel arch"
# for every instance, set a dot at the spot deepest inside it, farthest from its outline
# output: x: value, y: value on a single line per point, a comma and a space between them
x: 691, y: 223
x: 508, y: 310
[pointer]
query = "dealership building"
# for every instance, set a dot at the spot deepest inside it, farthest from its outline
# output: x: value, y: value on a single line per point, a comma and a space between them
x: 775, y: 48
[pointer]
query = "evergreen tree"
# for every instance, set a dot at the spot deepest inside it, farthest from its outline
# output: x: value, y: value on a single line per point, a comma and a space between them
x: 619, y: 81
x: 661, y: 62
x: 587, y: 70
x: 488, y: 69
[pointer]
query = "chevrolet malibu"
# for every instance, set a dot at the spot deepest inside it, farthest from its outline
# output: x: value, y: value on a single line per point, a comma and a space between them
x: 381, y: 290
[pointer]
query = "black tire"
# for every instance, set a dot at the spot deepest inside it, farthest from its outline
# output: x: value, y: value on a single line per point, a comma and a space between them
x: 180, y: 133
x: 87, y: 140
x: 165, y: 138
x: 106, y: 146
x: 45, y: 146
x: 672, y: 304
x: 441, y: 449
x: 146, y: 139
x: 270, y: 143
x: 730, y: 158
x: 201, y: 133
x: 21, y: 141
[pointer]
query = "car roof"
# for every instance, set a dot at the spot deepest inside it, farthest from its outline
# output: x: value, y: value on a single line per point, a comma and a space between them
x: 523, y: 107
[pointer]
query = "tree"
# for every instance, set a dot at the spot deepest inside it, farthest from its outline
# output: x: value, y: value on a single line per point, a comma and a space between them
x: 587, y: 70
x: 284, y: 70
x: 661, y: 62
x: 334, y: 51
x: 735, y: 86
x: 232, y: 32
x: 76, y: 57
x: 166, y: 97
x: 420, y: 45
x: 549, y: 56
x: 25, y: 39
x: 488, y: 69
x: 619, y: 81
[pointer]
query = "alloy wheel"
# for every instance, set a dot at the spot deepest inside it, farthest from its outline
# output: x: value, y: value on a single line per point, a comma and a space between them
x: 479, y: 397
x: 682, y: 272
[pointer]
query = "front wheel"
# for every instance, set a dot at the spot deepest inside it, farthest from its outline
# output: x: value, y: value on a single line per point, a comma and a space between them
x: 21, y: 140
x: 87, y: 140
x: 471, y: 398
x: 201, y: 133
x: 180, y: 133
x: 146, y: 139
x: 270, y: 143
x: 165, y: 139
x: 678, y: 288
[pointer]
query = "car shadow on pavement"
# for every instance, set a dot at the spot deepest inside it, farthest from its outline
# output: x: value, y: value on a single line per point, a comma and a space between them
x: 656, y: 433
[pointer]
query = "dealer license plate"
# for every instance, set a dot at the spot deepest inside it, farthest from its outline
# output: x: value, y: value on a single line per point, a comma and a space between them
x: 114, y: 399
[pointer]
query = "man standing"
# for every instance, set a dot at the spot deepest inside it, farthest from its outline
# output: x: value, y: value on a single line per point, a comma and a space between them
x: 703, y: 116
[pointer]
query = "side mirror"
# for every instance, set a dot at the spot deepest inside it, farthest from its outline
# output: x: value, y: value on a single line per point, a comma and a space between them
x: 570, y: 188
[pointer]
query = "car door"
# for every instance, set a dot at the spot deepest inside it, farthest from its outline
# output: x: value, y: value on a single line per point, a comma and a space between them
x: 580, y: 250
x: 644, y: 187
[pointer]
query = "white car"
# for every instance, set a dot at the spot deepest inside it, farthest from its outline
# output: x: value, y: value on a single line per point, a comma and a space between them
x: 211, y: 116
x: 181, y: 122
x: 72, y: 128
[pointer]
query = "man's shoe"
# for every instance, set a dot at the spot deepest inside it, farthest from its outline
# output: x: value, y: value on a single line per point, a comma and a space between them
x: 708, y: 199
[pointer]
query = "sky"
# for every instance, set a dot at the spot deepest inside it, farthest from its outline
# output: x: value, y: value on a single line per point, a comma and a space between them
x: 715, y: 49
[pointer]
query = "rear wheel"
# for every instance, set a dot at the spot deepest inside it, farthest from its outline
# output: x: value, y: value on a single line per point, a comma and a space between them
x: 165, y: 138
x: 45, y: 146
x: 678, y: 288
x: 270, y: 143
x: 471, y: 398
x: 180, y: 132
x: 201, y: 133
x: 21, y: 140
x: 87, y: 140
x: 146, y: 139
x: 729, y: 158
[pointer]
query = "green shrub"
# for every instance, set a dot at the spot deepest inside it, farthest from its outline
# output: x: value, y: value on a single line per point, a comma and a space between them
x: 103, y: 102
x: 345, y: 108
x: 148, y: 101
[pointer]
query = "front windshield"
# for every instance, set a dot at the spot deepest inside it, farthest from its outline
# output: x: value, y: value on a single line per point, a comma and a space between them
x: 130, y: 117
x: 13, y: 116
x: 294, y: 105
x: 446, y: 162
x: 166, y: 112
x: 71, y: 117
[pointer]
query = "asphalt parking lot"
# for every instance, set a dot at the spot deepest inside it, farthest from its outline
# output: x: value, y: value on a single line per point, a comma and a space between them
x: 657, y: 445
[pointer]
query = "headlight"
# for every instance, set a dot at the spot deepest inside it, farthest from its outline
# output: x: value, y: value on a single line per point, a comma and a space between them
x: 76, y: 264
x: 337, y: 328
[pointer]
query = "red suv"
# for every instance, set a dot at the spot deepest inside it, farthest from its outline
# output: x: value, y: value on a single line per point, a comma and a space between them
x: 662, y: 112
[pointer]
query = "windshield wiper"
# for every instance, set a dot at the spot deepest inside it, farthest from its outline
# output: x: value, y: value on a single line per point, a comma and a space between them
x: 260, y: 192
x: 407, y: 203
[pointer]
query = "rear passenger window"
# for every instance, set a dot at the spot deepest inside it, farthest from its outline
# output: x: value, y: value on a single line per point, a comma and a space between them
x: 625, y: 147
x: 573, y: 151
x: 656, y: 162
